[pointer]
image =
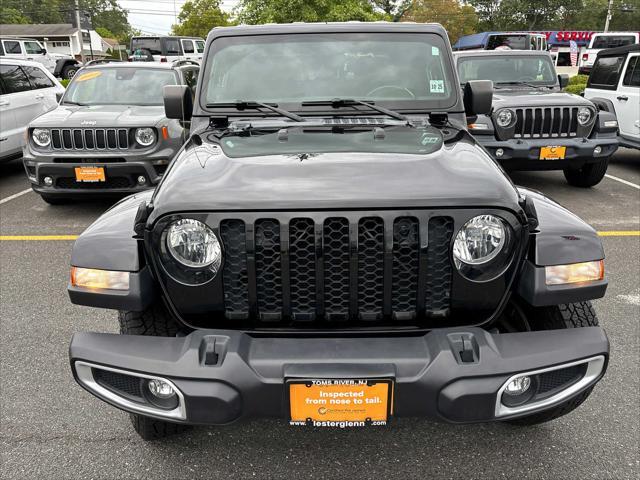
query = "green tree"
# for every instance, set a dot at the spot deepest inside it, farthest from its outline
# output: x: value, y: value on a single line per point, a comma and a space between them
x: 12, y: 15
x: 104, y: 32
x: 394, y: 9
x: 625, y: 15
x: 198, y: 17
x: 286, y: 11
x: 457, y: 19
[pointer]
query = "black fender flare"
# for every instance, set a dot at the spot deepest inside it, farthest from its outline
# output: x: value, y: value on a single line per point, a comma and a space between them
x: 603, y: 104
x: 560, y: 238
x: 110, y: 243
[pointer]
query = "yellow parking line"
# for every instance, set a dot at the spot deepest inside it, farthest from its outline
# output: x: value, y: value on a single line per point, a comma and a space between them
x: 46, y: 238
x: 620, y: 233
x: 37, y: 237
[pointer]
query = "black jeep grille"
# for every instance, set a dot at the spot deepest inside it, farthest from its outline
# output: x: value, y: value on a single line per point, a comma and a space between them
x: 336, y: 269
x: 90, y: 139
x: 546, y: 122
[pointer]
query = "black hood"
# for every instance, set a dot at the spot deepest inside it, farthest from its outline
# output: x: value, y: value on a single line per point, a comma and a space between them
x: 203, y: 178
x: 536, y: 98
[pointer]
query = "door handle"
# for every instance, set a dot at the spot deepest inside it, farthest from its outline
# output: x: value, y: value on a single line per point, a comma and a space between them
x: 4, y: 103
x: 40, y: 96
x: 623, y: 98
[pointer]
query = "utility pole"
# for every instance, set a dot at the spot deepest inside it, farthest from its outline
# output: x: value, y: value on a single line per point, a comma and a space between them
x: 79, y: 30
x: 606, y: 25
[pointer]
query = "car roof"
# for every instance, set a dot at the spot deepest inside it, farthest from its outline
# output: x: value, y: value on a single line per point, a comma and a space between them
x: 328, y: 27
x: 18, y: 61
x: 502, y: 53
x: 4, y: 37
x: 149, y: 65
x: 614, y: 52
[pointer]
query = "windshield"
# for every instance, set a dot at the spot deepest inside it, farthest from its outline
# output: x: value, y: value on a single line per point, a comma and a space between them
x: 152, y: 44
x: 507, y: 42
x: 611, y: 41
x: 507, y: 69
x: 120, y: 86
x: 291, y: 69
x: 310, y: 141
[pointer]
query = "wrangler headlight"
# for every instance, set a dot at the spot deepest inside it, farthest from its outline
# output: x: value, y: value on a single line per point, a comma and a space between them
x: 41, y: 137
x: 481, y: 248
x: 504, y: 118
x: 584, y: 115
x: 194, y: 245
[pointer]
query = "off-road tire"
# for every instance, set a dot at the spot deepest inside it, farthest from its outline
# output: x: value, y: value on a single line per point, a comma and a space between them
x: 67, y: 71
x: 589, y: 175
x: 155, y: 321
x: 571, y: 315
x: 54, y: 200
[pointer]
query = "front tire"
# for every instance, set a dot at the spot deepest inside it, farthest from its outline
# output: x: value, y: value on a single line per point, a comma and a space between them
x: 154, y: 321
x: 571, y: 315
x: 588, y: 175
x: 69, y: 71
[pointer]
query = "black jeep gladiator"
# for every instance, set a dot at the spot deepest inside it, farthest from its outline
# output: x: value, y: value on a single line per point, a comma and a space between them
x: 534, y: 125
x: 333, y: 248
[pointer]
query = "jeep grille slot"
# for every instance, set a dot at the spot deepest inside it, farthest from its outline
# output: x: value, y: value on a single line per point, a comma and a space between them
x: 336, y: 270
x: 90, y: 139
x: 546, y: 122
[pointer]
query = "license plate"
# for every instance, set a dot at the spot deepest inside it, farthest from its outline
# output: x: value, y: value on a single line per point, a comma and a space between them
x: 340, y: 403
x: 90, y: 174
x: 552, y: 153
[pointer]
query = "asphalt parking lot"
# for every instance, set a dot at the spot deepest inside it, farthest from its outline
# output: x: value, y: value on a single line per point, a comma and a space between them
x: 51, y: 428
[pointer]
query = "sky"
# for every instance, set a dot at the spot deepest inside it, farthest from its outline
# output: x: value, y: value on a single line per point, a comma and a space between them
x: 157, y: 16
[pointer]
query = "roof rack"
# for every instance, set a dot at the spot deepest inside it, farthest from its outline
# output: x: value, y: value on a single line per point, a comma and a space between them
x: 179, y: 63
x: 101, y: 61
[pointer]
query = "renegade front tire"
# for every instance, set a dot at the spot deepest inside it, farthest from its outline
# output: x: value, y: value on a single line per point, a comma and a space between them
x: 155, y: 321
x: 589, y: 175
x: 571, y: 315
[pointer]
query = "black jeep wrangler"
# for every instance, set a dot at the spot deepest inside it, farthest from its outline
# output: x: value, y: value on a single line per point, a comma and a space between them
x: 534, y: 125
x: 333, y: 248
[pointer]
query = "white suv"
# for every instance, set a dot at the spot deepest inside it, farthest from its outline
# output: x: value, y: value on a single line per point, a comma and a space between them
x: 27, y: 90
x: 26, y: 49
x: 614, y: 83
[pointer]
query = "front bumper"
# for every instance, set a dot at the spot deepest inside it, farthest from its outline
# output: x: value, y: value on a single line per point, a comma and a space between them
x: 524, y: 153
x: 455, y: 375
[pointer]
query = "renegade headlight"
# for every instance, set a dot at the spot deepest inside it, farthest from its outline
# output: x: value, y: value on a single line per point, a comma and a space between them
x: 479, y: 240
x: 41, y: 137
x: 584, y: 115
x: 145, y: 136
x: 194, y: 245
x: 504, y: 118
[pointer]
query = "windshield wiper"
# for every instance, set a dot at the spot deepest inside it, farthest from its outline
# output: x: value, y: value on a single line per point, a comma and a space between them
x: 523, y: 83
x: 69, y: 102
x: 253, y: 105
x: 349, y: 102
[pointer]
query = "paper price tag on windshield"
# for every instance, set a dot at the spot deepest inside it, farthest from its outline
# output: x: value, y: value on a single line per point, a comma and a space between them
x: 88, y: 76
x: 436, y: 86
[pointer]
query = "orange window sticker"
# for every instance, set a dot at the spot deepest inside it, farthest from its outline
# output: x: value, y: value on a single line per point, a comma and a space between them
x: 88, y: 76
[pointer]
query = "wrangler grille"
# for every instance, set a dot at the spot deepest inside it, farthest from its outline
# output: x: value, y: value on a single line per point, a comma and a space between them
x: 546, y: 122
x: 90, y: 139
x: 336, y: 269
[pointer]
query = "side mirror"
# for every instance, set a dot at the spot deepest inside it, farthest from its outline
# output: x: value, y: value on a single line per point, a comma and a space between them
x: 59, y: 96
x: 478, y: 97
x: 563, y: 79
x: 43, y: 51
x: 178, y: 102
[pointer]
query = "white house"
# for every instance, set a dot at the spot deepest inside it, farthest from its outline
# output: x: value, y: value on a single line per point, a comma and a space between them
x: 62, y: 38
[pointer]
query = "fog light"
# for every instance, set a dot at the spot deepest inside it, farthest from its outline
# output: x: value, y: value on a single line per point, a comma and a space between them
x: 518, y: 386
x: 160, y: 388
x: 499, y: 152
x: 597, y: 150
x: 48, y: 181
x: 142, y: 180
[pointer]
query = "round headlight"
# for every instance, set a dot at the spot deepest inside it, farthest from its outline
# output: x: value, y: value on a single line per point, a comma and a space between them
x: 145, y: 136
x: 41, y: 137
x: 584, y: 115
x: 194, y: 245
x: 479, y: 240
x: 504, y: 118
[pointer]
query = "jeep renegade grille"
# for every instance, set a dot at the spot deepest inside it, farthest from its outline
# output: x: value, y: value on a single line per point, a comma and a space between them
x: 90, y: 139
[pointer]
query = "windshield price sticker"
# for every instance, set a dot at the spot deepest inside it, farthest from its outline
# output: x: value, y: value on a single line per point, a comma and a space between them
x: 340, y: 403
x: 88, y: 76
x: 436, y: 86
